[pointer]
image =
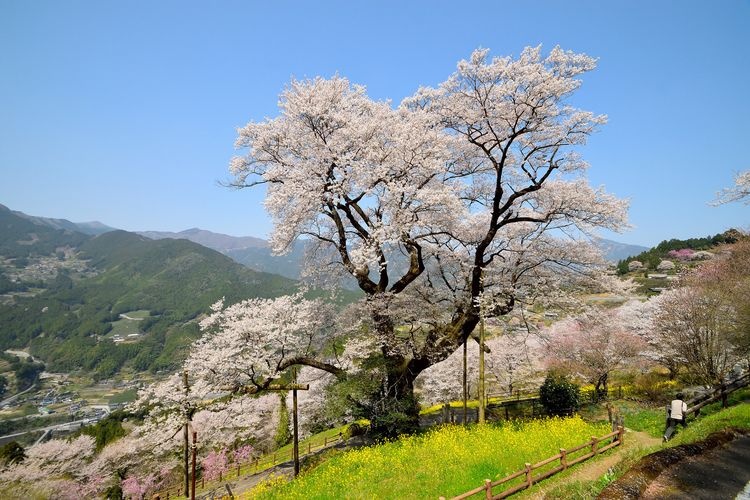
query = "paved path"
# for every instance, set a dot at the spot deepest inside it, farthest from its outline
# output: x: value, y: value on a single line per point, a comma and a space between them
x: 718, y: 474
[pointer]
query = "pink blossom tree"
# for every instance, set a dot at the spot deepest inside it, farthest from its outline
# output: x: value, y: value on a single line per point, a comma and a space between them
x: 593, y: 345
x: 475, y: 183
x: 215, y: 464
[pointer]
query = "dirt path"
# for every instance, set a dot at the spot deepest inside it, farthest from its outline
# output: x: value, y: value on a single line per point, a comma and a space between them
x: 591, y: 471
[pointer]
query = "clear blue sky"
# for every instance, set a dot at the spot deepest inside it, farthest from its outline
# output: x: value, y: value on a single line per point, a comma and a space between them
x: 125, y: 112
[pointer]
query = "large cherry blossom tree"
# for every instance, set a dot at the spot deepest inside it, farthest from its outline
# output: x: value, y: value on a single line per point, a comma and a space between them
x: 474, y: 187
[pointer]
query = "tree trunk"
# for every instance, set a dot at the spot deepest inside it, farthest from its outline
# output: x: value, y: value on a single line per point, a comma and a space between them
x: 395, y: 410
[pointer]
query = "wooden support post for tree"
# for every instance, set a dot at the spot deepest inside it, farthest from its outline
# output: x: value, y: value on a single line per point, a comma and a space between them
x: 465, y: 384
x: 481, y: 370
x: 295, y: 429
x: 185, y: 436
x: 195, y: 453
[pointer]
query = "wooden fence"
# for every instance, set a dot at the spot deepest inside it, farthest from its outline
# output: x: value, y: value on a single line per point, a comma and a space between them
x: 256, y: 465
x: 266, y: 462
x: 507, y: 407
x: 527, y: 473
x: 718, y: 394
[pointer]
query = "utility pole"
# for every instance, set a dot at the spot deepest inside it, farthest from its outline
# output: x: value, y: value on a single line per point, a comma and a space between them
x: 481, y: 369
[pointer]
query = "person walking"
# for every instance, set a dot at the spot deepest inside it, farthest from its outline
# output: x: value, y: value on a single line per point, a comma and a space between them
x: 676, y: 413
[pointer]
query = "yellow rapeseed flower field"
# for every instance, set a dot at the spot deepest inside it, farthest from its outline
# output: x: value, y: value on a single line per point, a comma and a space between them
x: 445, y: 461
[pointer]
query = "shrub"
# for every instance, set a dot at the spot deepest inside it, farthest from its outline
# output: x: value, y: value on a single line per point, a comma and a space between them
x: 653, y: 387
x: 559, y: 396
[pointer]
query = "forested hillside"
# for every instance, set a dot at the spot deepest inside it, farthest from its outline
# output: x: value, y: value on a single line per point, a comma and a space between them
x: 652, y: 257
x: 67, y: 318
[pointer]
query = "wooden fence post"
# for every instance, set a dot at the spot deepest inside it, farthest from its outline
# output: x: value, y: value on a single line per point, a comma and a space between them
x: 488, y: 489
x: 563, y: 458
x: 528, y: 474
x: 594, y: 443
x: 620, y: 433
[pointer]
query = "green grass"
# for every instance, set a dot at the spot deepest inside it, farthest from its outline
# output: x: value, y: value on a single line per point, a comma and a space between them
x: 139, y: 314
x: 124, y: 396
x: 448, y: 460
x: 124, y: 327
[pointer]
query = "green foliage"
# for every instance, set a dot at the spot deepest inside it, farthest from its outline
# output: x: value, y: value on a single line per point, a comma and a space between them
x: 558, y: 395
x: 26, y: 373
x: 3, y: 384
x: 114, y: 492
x: 106, y: 430
x: 392, y: 417
x: 654, y: 387
x: 283, y: 433
x: 12, y: 453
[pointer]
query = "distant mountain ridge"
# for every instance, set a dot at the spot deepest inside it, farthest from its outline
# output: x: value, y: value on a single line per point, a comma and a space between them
x: 220, y: 242
x: 249, y: 251
x: 256, y: 254
x: 615, y: 251
x: 91, y: 228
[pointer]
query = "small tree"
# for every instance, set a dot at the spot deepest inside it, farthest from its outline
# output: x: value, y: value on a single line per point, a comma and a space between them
x: 593, y: 345
x: 558, y: 395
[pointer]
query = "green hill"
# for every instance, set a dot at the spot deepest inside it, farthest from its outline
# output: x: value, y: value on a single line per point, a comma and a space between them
x: 169, y: 283
x: 21, y: 237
